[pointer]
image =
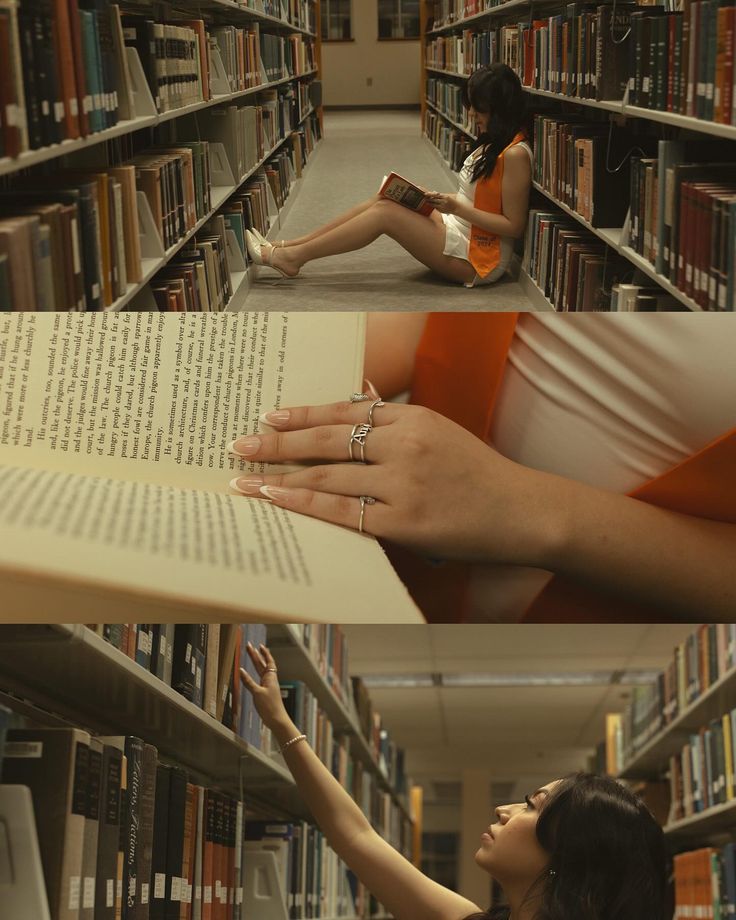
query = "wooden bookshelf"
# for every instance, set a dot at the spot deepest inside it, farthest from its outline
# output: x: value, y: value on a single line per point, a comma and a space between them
x: 222, y: 12
x: 513, y: 10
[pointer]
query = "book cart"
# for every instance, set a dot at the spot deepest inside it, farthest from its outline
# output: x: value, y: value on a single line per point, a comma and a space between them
x: 89, y: 150
x: 447, y: 18
x: 67, y: 675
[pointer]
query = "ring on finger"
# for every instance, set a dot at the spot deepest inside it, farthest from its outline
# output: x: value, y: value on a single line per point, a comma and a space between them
x: 358, y: 436
x: 364, y: 500
x: 376, y: 404
x: 360, y: 397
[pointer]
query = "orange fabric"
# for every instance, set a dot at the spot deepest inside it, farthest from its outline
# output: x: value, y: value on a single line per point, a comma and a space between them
x: 459, y: 368
x: 484, y: 253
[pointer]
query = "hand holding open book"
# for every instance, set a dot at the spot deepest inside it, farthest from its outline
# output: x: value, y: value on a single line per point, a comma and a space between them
x: 396, y: 188
x: 114, y: 470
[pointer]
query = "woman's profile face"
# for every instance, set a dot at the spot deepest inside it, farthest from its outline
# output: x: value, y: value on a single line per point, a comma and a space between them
x: 509, y: 849
x: 480, y: 119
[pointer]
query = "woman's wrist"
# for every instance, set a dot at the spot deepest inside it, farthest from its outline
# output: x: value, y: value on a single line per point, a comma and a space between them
x: 284, y: 730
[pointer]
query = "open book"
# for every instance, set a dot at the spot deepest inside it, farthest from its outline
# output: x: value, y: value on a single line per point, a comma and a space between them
x: 404, y: 192
x: 114, y: 495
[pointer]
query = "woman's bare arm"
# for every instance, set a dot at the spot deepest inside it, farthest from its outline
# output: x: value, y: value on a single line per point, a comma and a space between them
x: 406, y: 893
x: 517, y: 179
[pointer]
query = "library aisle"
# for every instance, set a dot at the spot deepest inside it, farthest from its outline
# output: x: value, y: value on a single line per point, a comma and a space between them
x: 359, y: 148
x: 436, y: 732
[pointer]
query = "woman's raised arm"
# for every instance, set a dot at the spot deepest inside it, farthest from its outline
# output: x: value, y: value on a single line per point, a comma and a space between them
x: 405, y: 892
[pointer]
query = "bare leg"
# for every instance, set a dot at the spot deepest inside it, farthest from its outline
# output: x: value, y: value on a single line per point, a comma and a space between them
x: 422, y: 237
x: 333, y: 224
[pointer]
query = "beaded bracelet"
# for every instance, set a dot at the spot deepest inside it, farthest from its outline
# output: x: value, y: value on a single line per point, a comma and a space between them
x: 293, y: 741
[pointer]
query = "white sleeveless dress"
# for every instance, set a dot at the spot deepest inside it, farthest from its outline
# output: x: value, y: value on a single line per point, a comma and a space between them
x: 611, y: 400
x: 457, y: 230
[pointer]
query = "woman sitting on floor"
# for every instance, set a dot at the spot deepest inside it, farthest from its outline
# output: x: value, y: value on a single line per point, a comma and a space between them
x: 469, y: 236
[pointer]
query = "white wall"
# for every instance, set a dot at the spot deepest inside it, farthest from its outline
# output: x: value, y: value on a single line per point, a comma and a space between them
x: 393, y: 66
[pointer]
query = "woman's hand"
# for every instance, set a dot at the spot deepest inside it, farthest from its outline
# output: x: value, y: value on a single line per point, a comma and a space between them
x: 445, y: 204
x: 266, y: 695
x: 438, y: 488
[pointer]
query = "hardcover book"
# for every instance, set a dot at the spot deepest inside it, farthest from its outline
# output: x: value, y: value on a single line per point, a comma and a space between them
x: 128, y: 454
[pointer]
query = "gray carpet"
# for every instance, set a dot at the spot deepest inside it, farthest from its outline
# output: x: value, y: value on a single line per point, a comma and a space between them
x: 359, y: 148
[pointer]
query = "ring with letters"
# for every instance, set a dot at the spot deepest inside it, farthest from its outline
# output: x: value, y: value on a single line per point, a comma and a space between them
x: 358, y: 436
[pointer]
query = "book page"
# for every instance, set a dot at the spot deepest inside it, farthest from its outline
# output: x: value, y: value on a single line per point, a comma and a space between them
x: 157, y: 396
x: 75, y: 544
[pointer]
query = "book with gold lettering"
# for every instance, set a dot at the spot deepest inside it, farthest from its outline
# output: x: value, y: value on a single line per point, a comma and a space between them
x: 115, y: 472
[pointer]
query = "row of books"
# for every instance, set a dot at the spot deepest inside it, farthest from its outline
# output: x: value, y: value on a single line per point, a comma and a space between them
x: 448, y: 98
x: 74, y: 242
x: 314, y: 881
x: 705, y: 883
x: 202, y: 662
x: 683, y: 220
x: 576, y: 271
x: 683, y: 62
x: 66, y: 72
x: 462, y: 54
x: 575, y: 161
x: 702, y: 774
x: 453, y: 145
x: 123, y: 835
x: 445, y: 12
x: 327, y: 645
x: 668, y: 60
x: 704, y: 658
x: 584, y: 52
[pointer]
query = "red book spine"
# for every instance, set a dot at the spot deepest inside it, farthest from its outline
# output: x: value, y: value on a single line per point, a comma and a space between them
x: 684, y: 241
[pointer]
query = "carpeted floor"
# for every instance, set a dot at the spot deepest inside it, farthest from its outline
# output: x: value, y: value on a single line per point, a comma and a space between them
x: 359, y: 148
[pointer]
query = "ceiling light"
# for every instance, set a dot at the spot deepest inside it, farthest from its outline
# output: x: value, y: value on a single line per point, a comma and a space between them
x: 538, y: 679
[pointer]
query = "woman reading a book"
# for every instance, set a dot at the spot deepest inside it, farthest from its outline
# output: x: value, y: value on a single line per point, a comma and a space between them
x: 468, y: 237
x: 583, y: 465
x: 580, y: 848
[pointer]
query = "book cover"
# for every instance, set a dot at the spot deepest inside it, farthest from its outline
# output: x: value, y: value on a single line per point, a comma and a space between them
x: 395, y: 188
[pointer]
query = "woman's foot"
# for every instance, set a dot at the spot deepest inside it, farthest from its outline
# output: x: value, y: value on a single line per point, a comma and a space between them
x: 263, y: 253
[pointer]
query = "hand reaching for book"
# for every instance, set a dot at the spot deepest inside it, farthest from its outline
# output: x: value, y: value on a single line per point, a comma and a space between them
x: 266, y: 694
x: 437, y: 488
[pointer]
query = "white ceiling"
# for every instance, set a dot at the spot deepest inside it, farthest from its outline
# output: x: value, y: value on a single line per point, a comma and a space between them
x: 523, y: 736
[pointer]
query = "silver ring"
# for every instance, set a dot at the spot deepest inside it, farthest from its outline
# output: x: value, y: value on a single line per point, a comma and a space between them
x: 374, y: 405
x: 359, y: 397
x: 358, y: 436
x: 364, y: 500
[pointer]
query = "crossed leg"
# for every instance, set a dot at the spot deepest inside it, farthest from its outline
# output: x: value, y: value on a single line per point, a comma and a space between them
x: 422, y: 237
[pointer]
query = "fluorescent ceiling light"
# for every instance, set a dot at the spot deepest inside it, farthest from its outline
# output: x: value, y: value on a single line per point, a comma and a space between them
x: 537, y: 679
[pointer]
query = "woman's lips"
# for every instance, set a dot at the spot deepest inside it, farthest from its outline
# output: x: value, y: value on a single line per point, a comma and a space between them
x: 486, y: 836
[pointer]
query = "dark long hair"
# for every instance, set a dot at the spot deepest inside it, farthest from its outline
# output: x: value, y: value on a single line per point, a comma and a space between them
x: 607, y: 855
x: 495, y: 90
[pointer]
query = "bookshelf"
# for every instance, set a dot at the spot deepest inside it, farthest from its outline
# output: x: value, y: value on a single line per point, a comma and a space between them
x: 115, y: 144
x: 716, y: 822
x: 669, y: 124
x: 64, y: 675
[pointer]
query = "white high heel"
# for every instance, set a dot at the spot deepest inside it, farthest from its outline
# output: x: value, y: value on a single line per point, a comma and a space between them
x: 278, y: 244
x: 262, y: 253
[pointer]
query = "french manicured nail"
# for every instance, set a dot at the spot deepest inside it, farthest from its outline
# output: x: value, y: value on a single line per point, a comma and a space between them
x: 247, y: 486
x: 276, y: 418
x: 274, y: 493
x: 244, y: 447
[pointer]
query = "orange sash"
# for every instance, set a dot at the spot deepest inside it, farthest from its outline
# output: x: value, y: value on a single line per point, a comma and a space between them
x: 484, y: 253
x: 459, y: 368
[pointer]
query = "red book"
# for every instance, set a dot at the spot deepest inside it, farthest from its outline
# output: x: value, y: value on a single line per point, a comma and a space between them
x: 208, y: 876
x: 405, y: 193
x: 65, y: 63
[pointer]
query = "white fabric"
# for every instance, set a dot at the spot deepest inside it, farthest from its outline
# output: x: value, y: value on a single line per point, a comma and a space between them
x: 457, y: 230
x: 611, y: 400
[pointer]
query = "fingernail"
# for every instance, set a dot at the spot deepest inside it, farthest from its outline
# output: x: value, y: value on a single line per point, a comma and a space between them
x: 276, y: 417
x: 275, y: 494
x: 247, y: 486
x: 244, y: 447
